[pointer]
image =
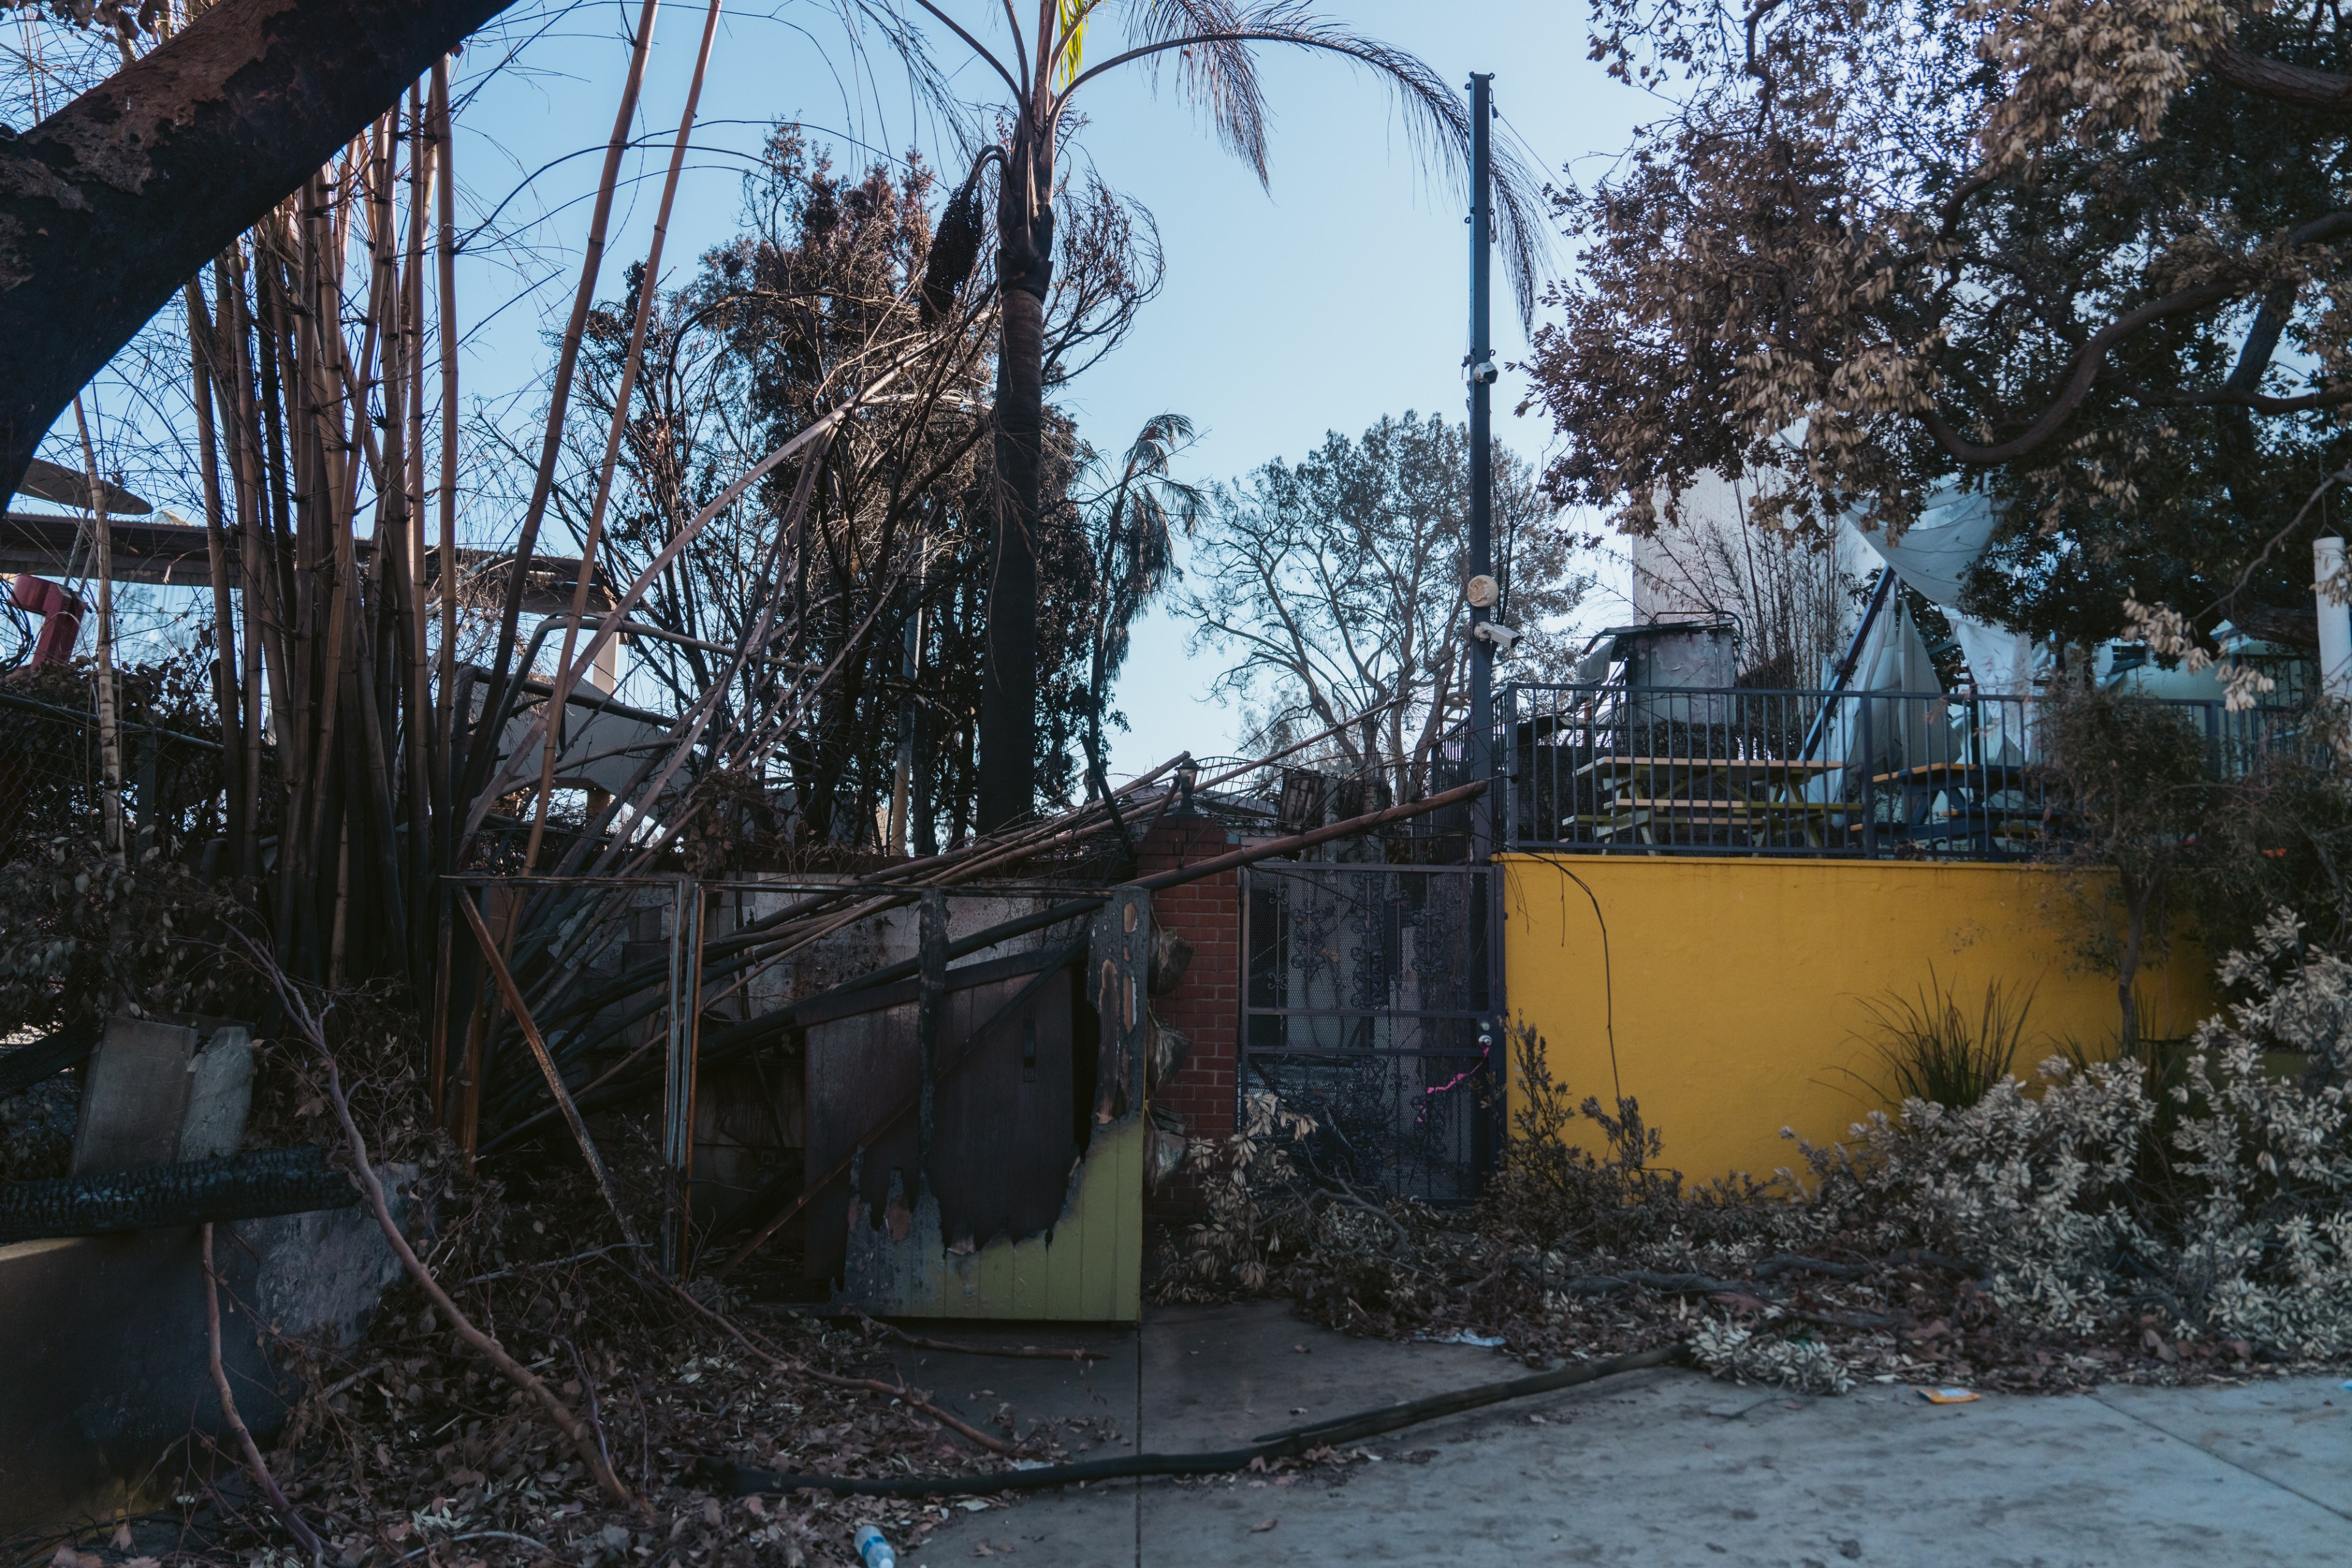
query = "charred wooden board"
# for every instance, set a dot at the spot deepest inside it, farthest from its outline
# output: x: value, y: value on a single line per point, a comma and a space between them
x: 1005, y: 1118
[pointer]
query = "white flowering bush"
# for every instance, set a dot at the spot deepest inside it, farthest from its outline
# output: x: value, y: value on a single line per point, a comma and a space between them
x: 2227, y: 1209
x: 1730, y: 1350
x: 2265, y: 1253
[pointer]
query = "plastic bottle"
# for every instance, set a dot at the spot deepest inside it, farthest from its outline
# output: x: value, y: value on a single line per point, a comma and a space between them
x: 872, y: 1549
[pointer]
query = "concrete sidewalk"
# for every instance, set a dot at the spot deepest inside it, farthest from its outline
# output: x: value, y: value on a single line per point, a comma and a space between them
x: 1658, y: 1468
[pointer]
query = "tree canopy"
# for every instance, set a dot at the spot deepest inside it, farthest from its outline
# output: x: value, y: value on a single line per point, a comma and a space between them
x: 2087, y: 258
x: 1334, y: 584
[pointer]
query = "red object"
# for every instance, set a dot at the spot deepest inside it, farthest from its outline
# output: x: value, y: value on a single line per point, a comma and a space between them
x: 61, y: 614
x: 1207, y: 1005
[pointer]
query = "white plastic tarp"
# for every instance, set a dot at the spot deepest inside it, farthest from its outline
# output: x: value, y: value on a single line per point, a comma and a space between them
x: 1934, y: 556
x: 1895, y: 734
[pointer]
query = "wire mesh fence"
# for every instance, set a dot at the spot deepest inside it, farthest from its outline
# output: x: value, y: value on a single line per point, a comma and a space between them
x: 52, y: 781
x: 1367, y: 1005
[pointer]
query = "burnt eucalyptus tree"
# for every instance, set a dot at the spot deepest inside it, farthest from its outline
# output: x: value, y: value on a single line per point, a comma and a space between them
x: 1043, y: 65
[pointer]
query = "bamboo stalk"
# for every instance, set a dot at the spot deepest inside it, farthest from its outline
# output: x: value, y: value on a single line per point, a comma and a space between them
x: 200, y: 340
x: 245, y: 464
x: 563, y: 1096
x: 646, y: 293
x: 322, y: 335
x: 418, y: 697
x: 110, y: 739
x: 608, y: 627
x: 445, y: 265
x: 560, y: 396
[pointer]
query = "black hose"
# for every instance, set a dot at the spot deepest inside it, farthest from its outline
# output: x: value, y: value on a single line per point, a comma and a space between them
x: 742, y: 1480
x: 252, y: 1185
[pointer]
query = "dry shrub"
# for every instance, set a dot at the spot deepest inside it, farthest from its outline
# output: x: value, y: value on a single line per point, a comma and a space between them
x: 82, y: 936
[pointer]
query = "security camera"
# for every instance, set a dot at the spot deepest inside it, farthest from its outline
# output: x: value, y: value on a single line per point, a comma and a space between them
x: 1503, y: 638
x: 1483, y: 373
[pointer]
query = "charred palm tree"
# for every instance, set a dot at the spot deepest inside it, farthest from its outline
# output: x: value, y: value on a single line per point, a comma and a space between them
x: 1131, y: 545
x: 1044, y: 67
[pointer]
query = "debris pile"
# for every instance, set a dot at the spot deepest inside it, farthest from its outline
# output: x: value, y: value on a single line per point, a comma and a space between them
x: 2116, y: 1221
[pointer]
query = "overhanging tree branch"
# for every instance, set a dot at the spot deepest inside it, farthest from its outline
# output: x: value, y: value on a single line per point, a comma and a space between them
x: 2091, y: 359
x: 108, y: 206
x: 2284, y: 83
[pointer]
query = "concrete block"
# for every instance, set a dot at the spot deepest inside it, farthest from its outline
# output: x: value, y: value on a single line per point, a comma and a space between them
x: 134, y: 1096
x: 220, y: 1095
x: 157, y: 1092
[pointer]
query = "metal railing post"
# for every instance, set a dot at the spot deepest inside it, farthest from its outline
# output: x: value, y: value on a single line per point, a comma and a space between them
x: 1869, y: 786
x: 1509, y: 752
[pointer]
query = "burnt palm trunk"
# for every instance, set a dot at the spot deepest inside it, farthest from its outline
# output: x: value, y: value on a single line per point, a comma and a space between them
x: 1008, y: 675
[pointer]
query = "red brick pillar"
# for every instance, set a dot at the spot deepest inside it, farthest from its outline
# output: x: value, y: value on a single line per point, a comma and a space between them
x: 1206, y: 1008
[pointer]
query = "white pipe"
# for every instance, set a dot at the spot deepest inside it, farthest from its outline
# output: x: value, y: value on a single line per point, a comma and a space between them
x: 2329, y: 588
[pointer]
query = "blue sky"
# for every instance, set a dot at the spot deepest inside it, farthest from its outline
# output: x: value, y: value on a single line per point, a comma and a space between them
x: 1321, y: 303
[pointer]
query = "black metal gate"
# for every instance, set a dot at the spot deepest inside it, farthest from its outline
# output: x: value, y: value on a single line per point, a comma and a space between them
x: 1369, y: 1002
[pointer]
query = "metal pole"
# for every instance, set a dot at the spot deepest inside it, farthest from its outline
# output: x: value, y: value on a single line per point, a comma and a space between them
x: 1479, y: 367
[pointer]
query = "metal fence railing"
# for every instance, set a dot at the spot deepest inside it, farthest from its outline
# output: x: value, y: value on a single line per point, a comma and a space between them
x: 1617, y: 769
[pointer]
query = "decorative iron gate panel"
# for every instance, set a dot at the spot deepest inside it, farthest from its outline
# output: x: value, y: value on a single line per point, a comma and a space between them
x: 1368, y: 1002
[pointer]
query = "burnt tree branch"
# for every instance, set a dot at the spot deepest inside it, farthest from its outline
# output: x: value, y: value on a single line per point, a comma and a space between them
x: 108, y: 206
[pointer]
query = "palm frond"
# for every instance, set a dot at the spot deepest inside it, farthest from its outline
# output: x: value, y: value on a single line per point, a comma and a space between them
x: 1073, y: 23
x: 1218, y: 71
x: 901, y: 36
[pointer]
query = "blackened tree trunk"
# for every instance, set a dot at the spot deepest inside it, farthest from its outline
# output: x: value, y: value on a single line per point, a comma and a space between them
x: 1008, y: 677
x: 108, y: 206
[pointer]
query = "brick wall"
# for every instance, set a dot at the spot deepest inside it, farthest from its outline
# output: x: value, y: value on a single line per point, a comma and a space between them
x: 1207, y: 1007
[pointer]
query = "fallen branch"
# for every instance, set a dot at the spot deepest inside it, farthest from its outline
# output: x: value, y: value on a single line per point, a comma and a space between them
x: 364, y: 1177
x: 870, y: 1385
x: 508, y: 989
x: 296, y: 1526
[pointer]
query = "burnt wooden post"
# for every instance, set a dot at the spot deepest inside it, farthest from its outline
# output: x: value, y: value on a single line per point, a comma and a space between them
x: 930, y: 997
x: 1118, y: 960
x: 679, y: 1069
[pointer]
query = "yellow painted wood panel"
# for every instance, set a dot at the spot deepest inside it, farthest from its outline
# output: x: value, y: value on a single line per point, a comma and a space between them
x: 1097, y: 1219
x: 1065, y: 1250
x: 997, y: 1265
x: 1029, y: 1265
x: 1127, y: 1273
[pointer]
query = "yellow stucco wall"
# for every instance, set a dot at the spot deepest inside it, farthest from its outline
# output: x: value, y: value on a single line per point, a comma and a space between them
x: 1739, y: 985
